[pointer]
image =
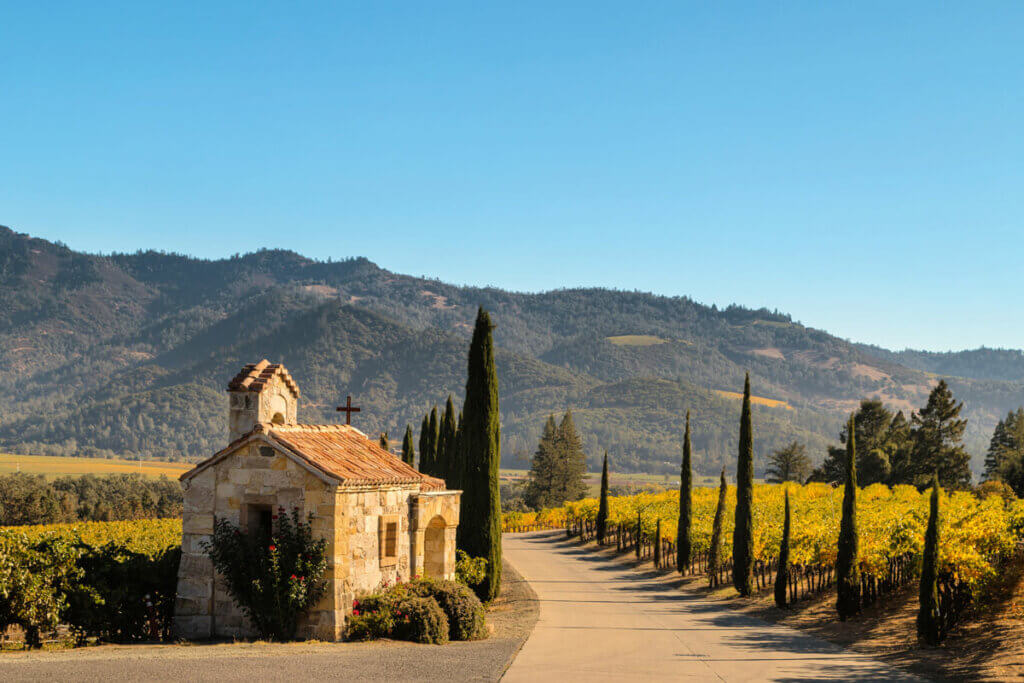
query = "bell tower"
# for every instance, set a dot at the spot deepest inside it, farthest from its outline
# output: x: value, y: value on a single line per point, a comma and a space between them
x: 261, y: 392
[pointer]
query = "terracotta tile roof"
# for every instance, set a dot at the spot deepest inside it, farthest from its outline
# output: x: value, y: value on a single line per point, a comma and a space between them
x: 254, y: 377
x: 339, y: 451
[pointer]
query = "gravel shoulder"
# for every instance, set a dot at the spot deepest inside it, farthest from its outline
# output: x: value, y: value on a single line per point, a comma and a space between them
x: 511, y: 619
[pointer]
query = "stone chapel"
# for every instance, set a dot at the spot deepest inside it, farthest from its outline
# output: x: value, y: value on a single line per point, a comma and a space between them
x: 382, y: 520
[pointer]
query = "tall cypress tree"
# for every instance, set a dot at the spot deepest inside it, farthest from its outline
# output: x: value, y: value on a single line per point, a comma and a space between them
x: 479, y: 533
x: 743, y: 535
x: 425, y: 444
x: 684, y: 544
x: 408, y: 454
x: 657, y: 543
x: 639, y: 531
x: 929, y: 625
x: 458, y: 458
x: 848, y: 562
x: 782, y: 573
x: 715, y: 552
x: 602, y: 506
x: 446, y: 442
x: 432, y: 439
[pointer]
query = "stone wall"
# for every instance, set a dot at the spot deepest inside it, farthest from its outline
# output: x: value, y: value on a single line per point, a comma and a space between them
x: 352, y: 520
x: 228, y: 490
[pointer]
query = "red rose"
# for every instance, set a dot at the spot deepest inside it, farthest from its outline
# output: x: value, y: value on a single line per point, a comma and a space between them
x: 293, y: 577
x: 273, y: 548
x: 355, y: 613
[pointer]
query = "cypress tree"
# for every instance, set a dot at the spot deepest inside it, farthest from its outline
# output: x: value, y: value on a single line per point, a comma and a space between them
x: 408, y: 454
x: 684, y: 544
x: 929, y: 625
x: 429, y: 455
x: 782, y: 573
x: 435, y: 438
x: 639, y: 533
x: 657, y: 543
x: 715, y: 552
x: 602, y: 506
x: 479, y: 533
x: 446, y: 442
x: 847, y: 563
x: 424, y: 444
x: 743, y: 535
x: 457, y: 464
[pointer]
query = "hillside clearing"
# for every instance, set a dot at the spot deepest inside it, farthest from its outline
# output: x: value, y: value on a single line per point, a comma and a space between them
x: 636, y: 340
x: 758, y: 400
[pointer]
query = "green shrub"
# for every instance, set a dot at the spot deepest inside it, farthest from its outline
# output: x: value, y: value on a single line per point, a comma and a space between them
x: 274, y: 580
x: 420, y: 620
x: 470, y: 571
x: 115, y: 581
x: 464, y: 610
x: 124, y: 595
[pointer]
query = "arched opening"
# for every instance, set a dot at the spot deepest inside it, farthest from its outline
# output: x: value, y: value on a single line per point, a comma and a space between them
x: 434, y: 549
x: 278, y: 419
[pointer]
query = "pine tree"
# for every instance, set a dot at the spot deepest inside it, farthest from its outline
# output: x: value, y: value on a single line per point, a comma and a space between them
x: 684, y: 544
x: 540, y: 487
x: 602, y: 506
x: 715, y: 551
x: 408, y: 454
x: 743, y: 535
x: 782, y: 572
x: 424, y: 444
x: 929, y: 625
x: 789, y: 463
x: 997, y: 446
x: 573, y: 463
x: 937, y: 434
x: 479, y: 532
x: 848, y: 560
x: 384, y: 443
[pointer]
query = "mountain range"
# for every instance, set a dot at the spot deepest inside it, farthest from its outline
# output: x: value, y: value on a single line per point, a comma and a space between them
x: 129, y: 354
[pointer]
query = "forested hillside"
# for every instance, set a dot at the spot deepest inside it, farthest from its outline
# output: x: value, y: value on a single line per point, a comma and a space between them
x: 130, y: 354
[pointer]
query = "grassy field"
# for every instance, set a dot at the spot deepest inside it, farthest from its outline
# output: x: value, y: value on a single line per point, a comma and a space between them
x: 53, y: 467
x: 636, y: 340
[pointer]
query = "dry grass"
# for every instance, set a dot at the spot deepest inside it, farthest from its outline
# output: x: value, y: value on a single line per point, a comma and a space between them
x: 53, y: 466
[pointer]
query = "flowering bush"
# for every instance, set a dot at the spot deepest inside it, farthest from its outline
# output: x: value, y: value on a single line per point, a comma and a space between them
x: 275, y: 579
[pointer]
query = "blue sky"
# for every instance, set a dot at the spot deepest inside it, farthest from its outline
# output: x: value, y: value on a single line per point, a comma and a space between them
x: 858, y: 165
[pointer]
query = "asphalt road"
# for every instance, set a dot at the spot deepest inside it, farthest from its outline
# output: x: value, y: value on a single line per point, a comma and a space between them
x: 600, y: 619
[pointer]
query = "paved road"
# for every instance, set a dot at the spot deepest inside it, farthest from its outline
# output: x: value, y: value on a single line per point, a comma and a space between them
x: 600, y: 619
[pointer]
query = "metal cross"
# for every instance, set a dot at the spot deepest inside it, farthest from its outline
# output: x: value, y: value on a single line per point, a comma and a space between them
x: 348, y: 410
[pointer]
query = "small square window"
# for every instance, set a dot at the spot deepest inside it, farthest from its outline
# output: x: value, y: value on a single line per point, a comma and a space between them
x: 266, y: 451
x: 388, y: 534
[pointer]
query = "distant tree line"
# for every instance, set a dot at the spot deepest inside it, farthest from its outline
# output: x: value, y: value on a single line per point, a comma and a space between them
x: 31, y: 499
